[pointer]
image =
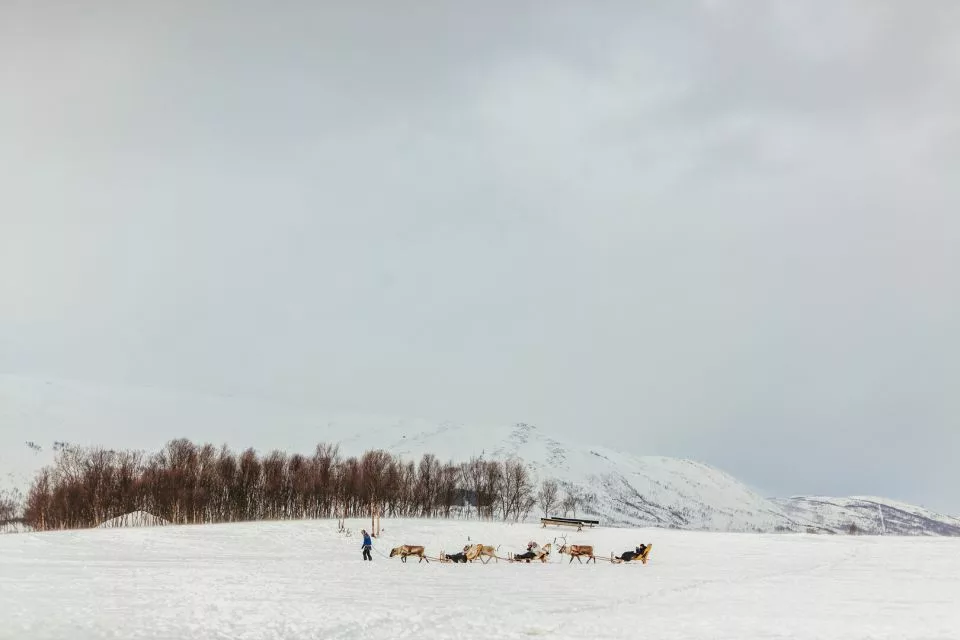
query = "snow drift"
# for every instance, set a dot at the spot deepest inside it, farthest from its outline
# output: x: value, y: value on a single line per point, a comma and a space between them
x: 14, y: 526
x: 134, y: 519
x: 294, y: 580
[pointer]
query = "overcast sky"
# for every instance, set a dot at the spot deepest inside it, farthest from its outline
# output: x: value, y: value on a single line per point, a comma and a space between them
x: 726, y: 231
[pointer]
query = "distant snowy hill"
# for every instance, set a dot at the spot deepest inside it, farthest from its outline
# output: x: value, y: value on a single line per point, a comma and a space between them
x: 663, y: 492
x: 869, y: 515
x: 623, y: 488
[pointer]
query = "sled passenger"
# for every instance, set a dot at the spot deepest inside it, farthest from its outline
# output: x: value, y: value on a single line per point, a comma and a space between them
x: 533, y: 550
x: 367, y: 545
x: 627, y: 556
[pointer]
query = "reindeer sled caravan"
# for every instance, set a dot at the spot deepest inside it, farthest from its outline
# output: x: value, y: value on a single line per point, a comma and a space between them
x: 534, y: 552
x: 581, y: 551
x: 486, y: 553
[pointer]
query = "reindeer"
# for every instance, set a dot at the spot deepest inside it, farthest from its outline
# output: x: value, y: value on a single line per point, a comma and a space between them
x: 578, y: 551
x: 544, y: 552
x: 478, y: 551
x: 409, y: 550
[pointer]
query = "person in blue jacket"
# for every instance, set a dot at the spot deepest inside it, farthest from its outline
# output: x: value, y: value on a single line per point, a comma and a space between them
x: 367, y: 545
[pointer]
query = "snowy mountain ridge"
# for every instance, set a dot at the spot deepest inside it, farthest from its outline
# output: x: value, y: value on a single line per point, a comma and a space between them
x: 868, y: 515
x: 655, y: 491
x: 623, y: 488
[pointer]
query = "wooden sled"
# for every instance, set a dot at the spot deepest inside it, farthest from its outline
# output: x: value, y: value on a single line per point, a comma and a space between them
x: 643, y: 557
x: 543, y: 556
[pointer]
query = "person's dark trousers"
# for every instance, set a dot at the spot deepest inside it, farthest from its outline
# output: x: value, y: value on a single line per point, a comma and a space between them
x: 366, y: 554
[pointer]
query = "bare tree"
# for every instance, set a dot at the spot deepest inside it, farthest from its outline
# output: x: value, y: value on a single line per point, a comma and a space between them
x: 190, y: 483
x: 38, y: 511
x: 375, y: 467
x: 517, y: 489
x: 472, y: 480
x: 548, y: 496
x: 10, y: 505
x: 527, y: 506
x: 572, y: 501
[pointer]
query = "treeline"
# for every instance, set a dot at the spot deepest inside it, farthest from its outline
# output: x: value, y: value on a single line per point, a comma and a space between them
x: 10, y: 506
x: 186, y: 483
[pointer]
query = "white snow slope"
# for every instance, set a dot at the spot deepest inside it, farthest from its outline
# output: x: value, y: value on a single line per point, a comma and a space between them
x: 301, y: 580
x: 666, y: 492
x: 870, y: 515
x: 14, y: 527
x: 134, y: 519
x: 624, y: 488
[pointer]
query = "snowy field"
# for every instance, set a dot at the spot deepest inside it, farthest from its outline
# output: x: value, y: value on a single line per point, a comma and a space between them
x: 304, y: 580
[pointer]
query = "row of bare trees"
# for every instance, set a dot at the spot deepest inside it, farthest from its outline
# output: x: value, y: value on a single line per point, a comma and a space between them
x: 186, y: 483
x: 10, y: 506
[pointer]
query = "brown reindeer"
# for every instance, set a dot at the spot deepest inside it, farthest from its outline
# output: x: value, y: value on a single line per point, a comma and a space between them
x: 578, y: 551
x: 479, y: 551
x: 405, y: 550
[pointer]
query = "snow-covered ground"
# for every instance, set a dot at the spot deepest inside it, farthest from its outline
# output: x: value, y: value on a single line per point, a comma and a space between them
x: 304, y: 580
x: 135, y: 519
x: 14, y: 527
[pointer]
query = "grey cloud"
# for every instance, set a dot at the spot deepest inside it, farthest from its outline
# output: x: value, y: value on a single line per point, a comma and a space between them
x: 719, y: 230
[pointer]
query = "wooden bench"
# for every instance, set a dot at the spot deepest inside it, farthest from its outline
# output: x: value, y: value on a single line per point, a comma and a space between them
x: 579, y: 523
